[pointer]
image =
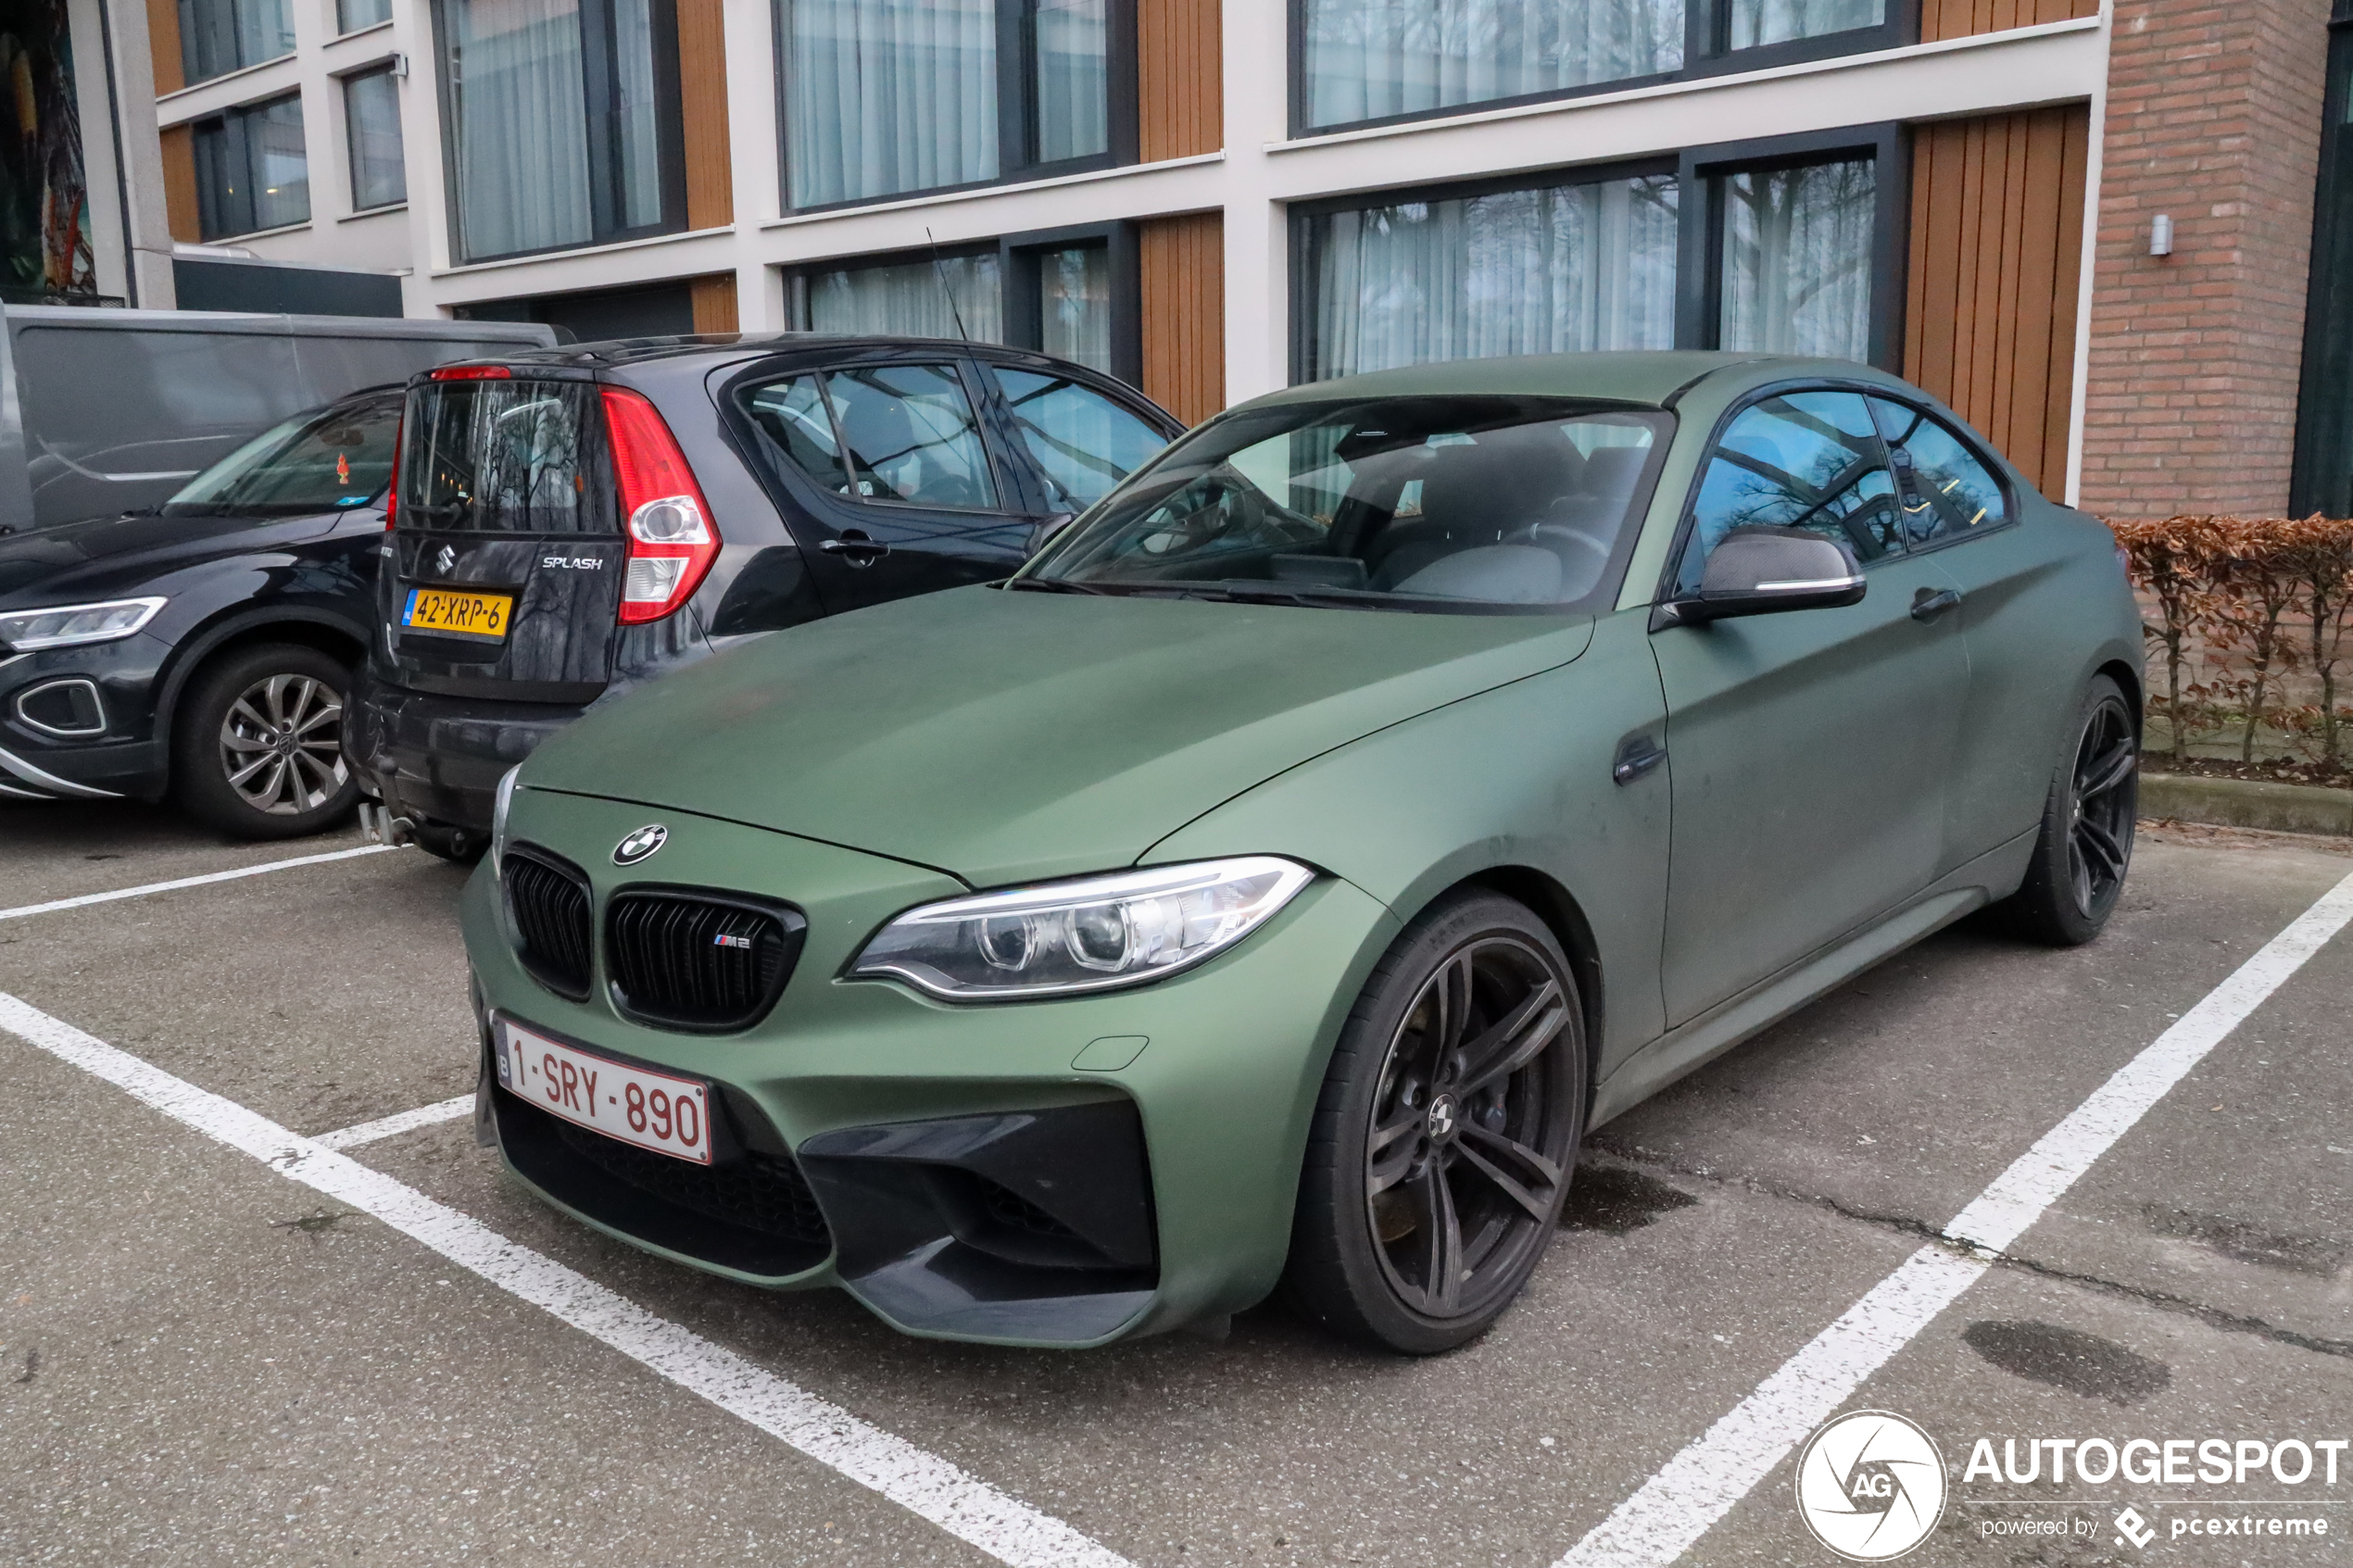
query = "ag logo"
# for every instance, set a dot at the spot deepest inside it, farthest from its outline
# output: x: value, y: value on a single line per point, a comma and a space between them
x: 1871, y: 1486
x: 639, y: 844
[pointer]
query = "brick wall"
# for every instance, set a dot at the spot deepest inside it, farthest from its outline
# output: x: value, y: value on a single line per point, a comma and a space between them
x: 2213, y: 117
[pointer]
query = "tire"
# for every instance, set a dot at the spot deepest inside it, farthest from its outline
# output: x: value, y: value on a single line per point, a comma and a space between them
x: 1405, y: 1137
x: 257, y: 748
x: 2085, y: 847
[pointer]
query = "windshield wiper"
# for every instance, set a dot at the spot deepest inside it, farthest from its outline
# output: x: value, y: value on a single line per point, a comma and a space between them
x: 1252, y: 590
x: 1055, y: 585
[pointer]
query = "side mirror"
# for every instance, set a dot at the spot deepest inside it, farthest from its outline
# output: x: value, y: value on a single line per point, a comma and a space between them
x: 1763, y: 570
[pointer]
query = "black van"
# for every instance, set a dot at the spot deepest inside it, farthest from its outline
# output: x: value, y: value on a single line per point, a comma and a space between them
x: 568, y: 523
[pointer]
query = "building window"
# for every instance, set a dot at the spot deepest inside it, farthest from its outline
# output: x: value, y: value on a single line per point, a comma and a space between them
x: 1071, y: 293
x: 1366, y: 61
x: 563, y: 122
x: 252, y: 172
x: 886, y: 97
x: 2322, y: 480
x: 1548, y: 270
x: 353, y: 15
x: 1782, y: 247
x: 219, y: 36
x: 1796, y: 261
x: 372, y: 124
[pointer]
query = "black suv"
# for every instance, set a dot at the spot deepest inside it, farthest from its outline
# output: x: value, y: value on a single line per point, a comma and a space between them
x: 570, y: 523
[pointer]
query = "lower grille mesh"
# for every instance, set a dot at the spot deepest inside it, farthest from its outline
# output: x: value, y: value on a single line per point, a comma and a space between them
x: 758, y: 1192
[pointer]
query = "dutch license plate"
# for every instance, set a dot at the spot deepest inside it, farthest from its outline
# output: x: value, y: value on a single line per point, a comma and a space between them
x: 650, y: 1109
x: 458, y: 613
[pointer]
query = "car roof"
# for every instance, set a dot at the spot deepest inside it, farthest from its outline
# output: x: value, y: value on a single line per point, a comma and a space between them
x: 1649, y: 377
x: 638, y: 350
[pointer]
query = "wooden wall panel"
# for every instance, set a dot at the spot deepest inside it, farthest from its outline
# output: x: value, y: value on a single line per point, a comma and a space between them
x: 1961, y: 19
x: 163, y: 43
x: 180, y: 184
x: 1182, y: 264
x: 1180, y: 101
x: 702, y: 94
x: 714, y: 300
x: 1996, y: 253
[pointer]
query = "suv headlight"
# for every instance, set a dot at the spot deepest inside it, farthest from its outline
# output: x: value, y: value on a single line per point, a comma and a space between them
x: 23, y: 631
x: 505, y: 797
x: 1088, y: 935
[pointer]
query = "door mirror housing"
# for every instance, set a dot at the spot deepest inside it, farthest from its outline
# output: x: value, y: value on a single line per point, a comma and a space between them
x: 1764, y: 571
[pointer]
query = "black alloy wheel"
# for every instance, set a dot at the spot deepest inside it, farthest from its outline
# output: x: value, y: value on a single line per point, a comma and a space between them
x: 257, y: 742
x: 2085, y: 847
x: 1446, y: 1135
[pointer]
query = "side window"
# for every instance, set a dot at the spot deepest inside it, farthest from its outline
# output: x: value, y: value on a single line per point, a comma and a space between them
x: 1083, y: 441
x: 910, y: 436
x: 1801, y: 459
x: 1945, y: 491
x: 791, y: 415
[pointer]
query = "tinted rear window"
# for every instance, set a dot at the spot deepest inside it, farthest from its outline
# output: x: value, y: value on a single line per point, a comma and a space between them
x: 506, y: 457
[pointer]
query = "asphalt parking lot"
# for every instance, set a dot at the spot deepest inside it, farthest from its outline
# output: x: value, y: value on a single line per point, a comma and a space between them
x: 207, y: 1358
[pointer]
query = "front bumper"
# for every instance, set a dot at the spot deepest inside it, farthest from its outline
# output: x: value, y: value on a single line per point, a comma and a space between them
x: 124, y: 757
x: 434, y: 758
x: 969, y: 1179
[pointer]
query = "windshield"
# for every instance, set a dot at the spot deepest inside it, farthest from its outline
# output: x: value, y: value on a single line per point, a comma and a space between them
x: 318, y: 461
x: 1406, y: 503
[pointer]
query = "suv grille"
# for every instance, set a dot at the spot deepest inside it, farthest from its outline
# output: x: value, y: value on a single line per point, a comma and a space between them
x: 548, y: 903
x: 698, y: 961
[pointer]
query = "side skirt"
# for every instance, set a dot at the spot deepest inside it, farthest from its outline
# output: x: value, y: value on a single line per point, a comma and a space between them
x: 1684, y: 1049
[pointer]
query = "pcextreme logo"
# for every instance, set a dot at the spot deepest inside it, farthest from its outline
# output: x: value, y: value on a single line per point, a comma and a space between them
x: 1871, y: 1486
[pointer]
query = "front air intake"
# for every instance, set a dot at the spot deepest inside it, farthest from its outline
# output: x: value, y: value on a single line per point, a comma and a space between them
x: 708, y: 963
x: 548, y: 911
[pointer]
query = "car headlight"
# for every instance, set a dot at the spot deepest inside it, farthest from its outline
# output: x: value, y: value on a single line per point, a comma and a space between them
x: 505, y: 797
x: 1088, y: 935
x: 22, y: 631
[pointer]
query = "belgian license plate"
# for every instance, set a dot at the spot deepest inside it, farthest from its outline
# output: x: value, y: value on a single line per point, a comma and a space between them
x: 650, y: 1109
x: 457, y: 612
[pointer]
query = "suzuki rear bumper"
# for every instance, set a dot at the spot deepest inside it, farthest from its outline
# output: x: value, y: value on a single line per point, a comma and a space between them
x: 437, y: 760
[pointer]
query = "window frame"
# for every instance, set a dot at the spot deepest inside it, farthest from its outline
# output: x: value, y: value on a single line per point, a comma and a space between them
x: 233, y: 123
x: 1018, y: 258
x: 1983, y: 455
x: 388, y: 68
x: 1706, y: 53
x: 185, y: 12
x: 2321, y: 475
x: 1016, y: 108
x: 1699, y: 226
x: 597, y: 66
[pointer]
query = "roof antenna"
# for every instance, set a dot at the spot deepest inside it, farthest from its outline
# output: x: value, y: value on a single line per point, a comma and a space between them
x: 941, y: 274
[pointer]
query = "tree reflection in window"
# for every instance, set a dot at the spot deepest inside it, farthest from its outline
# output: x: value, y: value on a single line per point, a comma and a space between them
x: 1803, y: 459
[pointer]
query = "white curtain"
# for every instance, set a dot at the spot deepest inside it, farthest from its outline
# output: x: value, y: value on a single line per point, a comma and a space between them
x: 1797, y: 260
x: 1559, y: 270
x: 1072, y: 76
x: 1779, y: 21
x: 641, y: 149
x: 1367, y: 59
x: 888, y: 95
x: 912, y: 299
x: 522, y: 130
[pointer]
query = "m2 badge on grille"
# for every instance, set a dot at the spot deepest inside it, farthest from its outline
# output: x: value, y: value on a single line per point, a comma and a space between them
x: 650, y: 1109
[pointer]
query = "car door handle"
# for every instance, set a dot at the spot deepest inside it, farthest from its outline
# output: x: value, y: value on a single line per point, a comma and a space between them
x: 1637, y: 755
x: 856, y: 547
x: 1930, y: 603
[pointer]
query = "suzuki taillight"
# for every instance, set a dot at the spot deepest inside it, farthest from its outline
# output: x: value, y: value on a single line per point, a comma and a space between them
x: 392, y: 486
x: 671, y: 541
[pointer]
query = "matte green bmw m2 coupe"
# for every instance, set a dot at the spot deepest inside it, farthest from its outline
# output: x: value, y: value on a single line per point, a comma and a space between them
x: 1267, y: 886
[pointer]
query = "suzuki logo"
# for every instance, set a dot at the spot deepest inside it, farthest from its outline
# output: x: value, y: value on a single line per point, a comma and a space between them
x: 639, y: 844
x: 445, y: 559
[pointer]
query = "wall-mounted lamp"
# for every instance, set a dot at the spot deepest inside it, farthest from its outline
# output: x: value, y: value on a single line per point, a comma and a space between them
x: 2161, y: 235
x: 400, y: 67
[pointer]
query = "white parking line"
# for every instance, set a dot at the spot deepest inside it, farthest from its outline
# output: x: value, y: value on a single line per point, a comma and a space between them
x: 922, y: 1483
x: 141, y: 891
x: 1698, y: 1487
x: 393, y: 1126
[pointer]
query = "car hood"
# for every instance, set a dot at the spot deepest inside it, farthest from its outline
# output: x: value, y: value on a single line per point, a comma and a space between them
x: 999, y: 735
x: 99, y: 558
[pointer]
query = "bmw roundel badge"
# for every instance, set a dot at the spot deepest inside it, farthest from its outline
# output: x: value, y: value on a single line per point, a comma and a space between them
x: 639, y: 844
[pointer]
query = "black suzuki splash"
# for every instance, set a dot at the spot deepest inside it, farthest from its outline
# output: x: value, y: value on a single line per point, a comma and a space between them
x: 569, y: 523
